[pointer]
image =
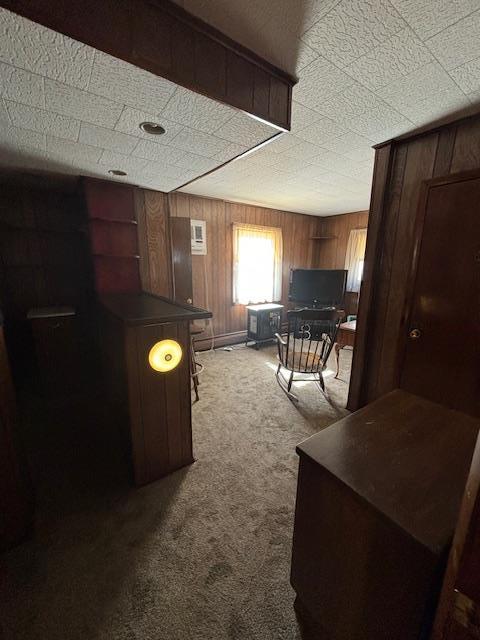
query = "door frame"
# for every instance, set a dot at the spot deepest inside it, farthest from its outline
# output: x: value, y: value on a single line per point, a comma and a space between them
x: 419, y: 224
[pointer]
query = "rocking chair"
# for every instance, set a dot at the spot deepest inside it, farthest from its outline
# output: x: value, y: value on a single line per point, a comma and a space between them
x: 310, y: 339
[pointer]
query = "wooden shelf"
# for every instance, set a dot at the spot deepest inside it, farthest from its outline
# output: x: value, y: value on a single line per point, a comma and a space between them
x: 113, y: 255
x: 323, y: 238
x: 114, y: 220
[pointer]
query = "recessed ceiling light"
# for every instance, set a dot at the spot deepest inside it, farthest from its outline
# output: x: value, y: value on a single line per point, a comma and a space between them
x: 153, y: 128
x: 117, y: 172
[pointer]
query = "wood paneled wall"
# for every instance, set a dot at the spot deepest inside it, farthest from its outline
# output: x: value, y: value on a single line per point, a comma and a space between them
x: 330, y: 254
x: 400, y: 168
x: 151, y: 209
x: 44, y: 259
x: 212, y: 274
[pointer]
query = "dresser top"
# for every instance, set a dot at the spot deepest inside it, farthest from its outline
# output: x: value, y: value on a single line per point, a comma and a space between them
x: 407, y: 457
x: 145, y: 308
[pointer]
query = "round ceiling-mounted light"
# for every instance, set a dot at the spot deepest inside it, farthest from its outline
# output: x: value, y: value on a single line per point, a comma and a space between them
x: 165, y: 355
x: 117, y: 172
x: 153, y: 128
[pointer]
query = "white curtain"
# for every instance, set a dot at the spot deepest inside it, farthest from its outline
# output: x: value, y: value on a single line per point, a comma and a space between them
x: 257, y: 264
x: 355, y: 257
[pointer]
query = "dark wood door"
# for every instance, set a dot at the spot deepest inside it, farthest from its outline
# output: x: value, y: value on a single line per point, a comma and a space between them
x: 182, y: 260
x: 442, y: 352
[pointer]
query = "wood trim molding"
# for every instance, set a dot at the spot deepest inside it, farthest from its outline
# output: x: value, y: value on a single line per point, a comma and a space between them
x: 160, y: 37
x: 382, y: 170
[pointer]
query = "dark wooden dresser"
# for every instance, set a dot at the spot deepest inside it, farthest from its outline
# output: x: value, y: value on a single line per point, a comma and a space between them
x: 377, y: 503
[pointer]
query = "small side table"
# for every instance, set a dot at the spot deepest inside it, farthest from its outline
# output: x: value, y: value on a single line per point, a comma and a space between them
x: 345, y: 338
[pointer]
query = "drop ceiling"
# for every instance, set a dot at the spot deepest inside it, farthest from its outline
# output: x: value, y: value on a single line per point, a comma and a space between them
x: 368, y: 70
x: 68, y: 108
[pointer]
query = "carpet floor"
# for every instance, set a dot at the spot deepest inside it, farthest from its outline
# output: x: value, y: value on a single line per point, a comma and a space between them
x: 203, y: 554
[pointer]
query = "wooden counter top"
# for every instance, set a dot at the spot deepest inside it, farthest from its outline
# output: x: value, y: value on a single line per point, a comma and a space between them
x: 144, y: 308
x: 407, y: 457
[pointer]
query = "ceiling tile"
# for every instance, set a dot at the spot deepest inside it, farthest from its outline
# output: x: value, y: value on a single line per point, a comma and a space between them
x: 122, y: 82
x: 70, y: 152
x: 245, y: 130
x: 302, y: 117
x: 305, y: 55
x: 14, y: 137
x: 457, y: 44
x: 157, y: 152
x: 30, y: 46
x: 43, y: 121
x: 289, y: 165
x: 193, y: 162
x: 130, y: 120
x: 107, y: 139
x: 230, y: 151
x: 429, y: 17
x: 281, y: 143
x: 81, y: 105
x: 360, y: 154
x: 352, y: 28
x: 21, y: 86
x: 198, y: 142
x: 4, y: 117
x: 424, y: 94
x: 197, y: 111
x: 320, y: 131
x: 363, y: 112
x: 158, y: 170
x: 304, y: 150
x: 399, y: 55
x: 116, y: 160
x: 319, y: 81
x: 348, y: 142
x: 315, y: 10
x: 467, y: 76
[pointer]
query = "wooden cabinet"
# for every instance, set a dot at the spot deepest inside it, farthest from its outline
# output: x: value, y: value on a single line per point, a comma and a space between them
x: 16, y: 504
x: 377, y: 503
x: 155, y: 406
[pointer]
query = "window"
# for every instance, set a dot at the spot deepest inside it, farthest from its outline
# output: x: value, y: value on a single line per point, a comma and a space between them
x: 355, y: 258
x: 257, y: 264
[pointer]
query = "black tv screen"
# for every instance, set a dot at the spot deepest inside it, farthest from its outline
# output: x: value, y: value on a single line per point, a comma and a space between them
x: 318, y: 286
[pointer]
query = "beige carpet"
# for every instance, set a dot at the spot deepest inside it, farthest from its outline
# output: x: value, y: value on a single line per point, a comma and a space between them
x: 203, y: 554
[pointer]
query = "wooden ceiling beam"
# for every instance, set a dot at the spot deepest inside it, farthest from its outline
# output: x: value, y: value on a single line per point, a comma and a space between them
x: 160, y: 37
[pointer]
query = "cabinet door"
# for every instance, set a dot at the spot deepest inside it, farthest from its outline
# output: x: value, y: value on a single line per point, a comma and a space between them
x: 182, y: 260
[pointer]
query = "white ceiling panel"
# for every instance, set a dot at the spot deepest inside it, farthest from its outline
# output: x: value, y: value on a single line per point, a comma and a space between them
x: 84, y: 106
x: 22, y: 86
x: 131, y: 118
x: 13, y: 138
x: 28, y: 46
x: 368, y: 70
x: 457, y: 44
x: 66, y: 107
x: 42, y: 121
x: 107, y: 139
x: 398, y: 56
x: 196, y: 111
x: 429, y: 17
x: 124, y: 83
x: 467, y: 76
x: 352, y: 28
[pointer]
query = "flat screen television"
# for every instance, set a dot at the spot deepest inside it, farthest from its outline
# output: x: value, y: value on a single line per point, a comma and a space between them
x: 318, y: 287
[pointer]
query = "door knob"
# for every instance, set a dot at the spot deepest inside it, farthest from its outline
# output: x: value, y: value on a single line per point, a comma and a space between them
x: 189, y: 301
x: 414, y: 334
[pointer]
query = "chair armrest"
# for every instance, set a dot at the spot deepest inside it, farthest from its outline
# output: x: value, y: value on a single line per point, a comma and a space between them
x: 280, y: 339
